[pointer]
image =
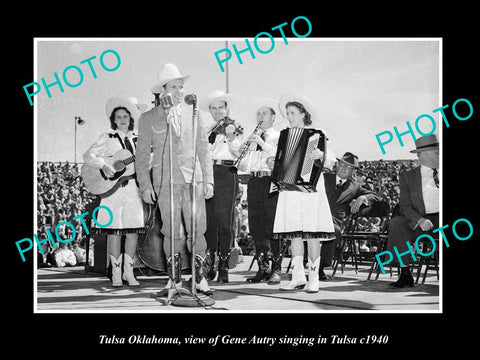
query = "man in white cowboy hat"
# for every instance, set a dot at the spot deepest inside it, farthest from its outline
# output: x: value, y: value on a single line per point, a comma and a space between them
x: 345, y: 195
x: 419, y: 205
x: 258, y: 162
x: 153, y: 137
x: 225, y: 139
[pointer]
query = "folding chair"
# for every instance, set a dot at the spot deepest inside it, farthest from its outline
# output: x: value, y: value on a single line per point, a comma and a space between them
x: 430, y: 261
x: 351, y: 237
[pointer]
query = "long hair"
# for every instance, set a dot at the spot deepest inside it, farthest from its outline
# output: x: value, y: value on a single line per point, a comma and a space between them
x: 112, y: 118
x: 307, y: 120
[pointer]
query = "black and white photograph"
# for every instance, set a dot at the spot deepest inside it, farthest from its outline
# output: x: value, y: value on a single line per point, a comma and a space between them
x: 273, y: 185
x: 297, y: 178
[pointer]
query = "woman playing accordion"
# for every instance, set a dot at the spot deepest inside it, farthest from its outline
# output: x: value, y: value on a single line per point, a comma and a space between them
x: 303, y: 212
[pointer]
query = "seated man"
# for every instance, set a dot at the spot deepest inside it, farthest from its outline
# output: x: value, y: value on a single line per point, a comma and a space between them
x: 419, y: 205
x: 344, y: 195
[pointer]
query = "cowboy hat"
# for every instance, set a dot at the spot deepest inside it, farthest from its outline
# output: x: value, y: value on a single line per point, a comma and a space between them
x: 266, y: 102
x: 217, y: 95
x: 141, y: 107
x: 305, y: 101
x: 425, y: 143
x: 116, y: 102
x: 168, y: 73
x: 349, y: 159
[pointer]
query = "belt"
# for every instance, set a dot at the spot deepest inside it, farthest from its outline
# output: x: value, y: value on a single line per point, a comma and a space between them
x: 223, y: 162
x: 260, y: 173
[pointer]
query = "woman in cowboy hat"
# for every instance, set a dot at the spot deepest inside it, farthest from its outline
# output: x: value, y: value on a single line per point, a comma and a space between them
x: 303, y: 216
x: 125, y: 203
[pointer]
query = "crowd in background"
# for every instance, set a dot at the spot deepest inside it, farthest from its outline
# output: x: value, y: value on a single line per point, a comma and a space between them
x: 61, y: 196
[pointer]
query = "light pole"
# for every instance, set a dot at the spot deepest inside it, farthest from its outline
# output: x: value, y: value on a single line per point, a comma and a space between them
x: 78, y: 121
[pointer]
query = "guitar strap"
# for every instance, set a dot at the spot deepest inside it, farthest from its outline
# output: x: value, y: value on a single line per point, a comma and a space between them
x: 115, y: 135
x: 129, y: 148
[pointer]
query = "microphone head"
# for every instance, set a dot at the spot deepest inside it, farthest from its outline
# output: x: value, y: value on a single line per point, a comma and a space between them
x: 166, y: 101
x: 190, y: 99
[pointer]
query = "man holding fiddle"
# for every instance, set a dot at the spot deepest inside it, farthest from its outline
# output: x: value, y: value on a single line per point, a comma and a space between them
x: 225, y: 139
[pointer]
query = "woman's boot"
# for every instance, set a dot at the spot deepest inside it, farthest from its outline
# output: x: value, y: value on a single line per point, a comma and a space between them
x: 298, y: 275
x: 128, y: 275
x: 313, y: 284
x: 116, y: 271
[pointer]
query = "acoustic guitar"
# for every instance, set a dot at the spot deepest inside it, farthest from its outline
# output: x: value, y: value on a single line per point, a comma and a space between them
x: 99, y: 184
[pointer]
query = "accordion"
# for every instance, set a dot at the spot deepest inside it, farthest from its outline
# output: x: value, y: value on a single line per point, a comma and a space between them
x: 293, y: 169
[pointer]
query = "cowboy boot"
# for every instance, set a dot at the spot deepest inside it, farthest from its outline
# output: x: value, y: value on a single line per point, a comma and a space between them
x: 313, y: 284
x: 263, y: 265
x: 278, y: 248
x: 201, y: 283
x: 276, y: 275
x: 223, y: 268
x: 174, y: 276
x: 128, y: 271
x: 405, y: 279
x: 209, y: 262
x: 116, y: 271
x: 298, y: 275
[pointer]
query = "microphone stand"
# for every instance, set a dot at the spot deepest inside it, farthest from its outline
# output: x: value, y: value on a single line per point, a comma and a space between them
x: 172, y: 290
x: 179, y: 296
x: 193, y: 299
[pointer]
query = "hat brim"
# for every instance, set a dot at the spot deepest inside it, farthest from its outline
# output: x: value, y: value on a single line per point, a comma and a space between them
x: 432, y: 147
x: 158, y: 87
x: 305, y: 101
x: 228, y: 98
x: 115, y: 102
x: 345, y: 162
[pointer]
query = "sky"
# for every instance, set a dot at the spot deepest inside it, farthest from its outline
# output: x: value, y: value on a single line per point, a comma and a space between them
x: 359, y: 87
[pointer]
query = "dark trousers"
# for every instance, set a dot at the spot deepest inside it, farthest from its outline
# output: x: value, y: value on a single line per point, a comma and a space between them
x: 399, y: 233
x: 261, y: 211
x: 328, y: 247
x: 220, y: 210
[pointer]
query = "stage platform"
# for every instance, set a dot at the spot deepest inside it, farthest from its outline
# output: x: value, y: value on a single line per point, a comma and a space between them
x: 70, y: 290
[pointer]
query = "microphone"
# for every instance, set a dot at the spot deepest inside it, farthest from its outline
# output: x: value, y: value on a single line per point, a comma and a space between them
x: 166, y: 101
x: 190, y: 99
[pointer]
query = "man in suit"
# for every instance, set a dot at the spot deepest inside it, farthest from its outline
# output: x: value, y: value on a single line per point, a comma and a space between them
x: 153, y: 137
x: 419, y: 205
x: 344, y: 195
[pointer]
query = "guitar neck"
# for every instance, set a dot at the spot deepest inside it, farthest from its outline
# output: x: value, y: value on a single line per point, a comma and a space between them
x: 129, y: 160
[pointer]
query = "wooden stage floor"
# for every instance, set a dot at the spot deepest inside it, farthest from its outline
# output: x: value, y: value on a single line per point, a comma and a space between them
x: 70, y: 290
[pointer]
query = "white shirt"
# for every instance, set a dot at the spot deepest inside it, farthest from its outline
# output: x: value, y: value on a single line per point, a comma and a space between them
x: 257, y: 160
x: 223, y: 149
x: 339, y: 180
x: 430, y: 192
x: 107, y: 145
